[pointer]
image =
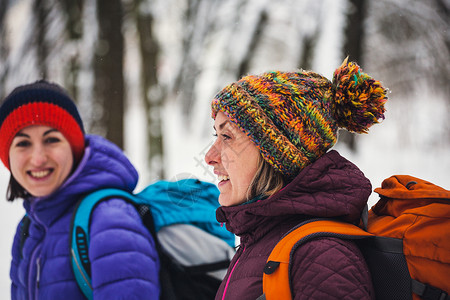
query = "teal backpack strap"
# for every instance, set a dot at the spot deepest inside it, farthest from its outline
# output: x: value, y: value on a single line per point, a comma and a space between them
x: 79, y: 243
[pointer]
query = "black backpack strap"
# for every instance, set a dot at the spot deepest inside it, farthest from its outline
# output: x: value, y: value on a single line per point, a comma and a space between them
x: 24, y: 232
x: 365, y: 217
x: 428, y: 292
x: 205, y: 268
x: 167, y: 288
x: 147, y: 219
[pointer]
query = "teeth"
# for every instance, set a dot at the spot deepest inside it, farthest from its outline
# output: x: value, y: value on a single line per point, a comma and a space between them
x: 223, y: 177
x: 40, y: 174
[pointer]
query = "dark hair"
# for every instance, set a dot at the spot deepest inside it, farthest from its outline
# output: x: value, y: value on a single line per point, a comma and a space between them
x: 15, y: 190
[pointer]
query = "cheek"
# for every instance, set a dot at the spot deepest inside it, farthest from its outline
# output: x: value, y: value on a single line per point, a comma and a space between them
x: 246, y: 178
x: 251, y: 164
x: 251, y: 159
x: 66, y: 160
x: 17, y: 168
x: 14, y: 170
x: 15, y: 161
x: 246, y: 169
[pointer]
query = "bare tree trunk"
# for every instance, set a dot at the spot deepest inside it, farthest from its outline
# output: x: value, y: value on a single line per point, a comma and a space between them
x: 108, y: 70
x: 4, y: 48
x: 307, y: 53
x: 73, y: 12
x: 40, y: 11
x: 444, y: 10
x: 196, y: 27
x: 150, y: 90
x: 256, y: 38
x: 189, y: 70
x: 354, y: 31
x: 354, y: 35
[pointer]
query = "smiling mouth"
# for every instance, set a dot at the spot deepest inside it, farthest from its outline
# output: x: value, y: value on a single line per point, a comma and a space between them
x: 39, y: 174
x: 223, y: 178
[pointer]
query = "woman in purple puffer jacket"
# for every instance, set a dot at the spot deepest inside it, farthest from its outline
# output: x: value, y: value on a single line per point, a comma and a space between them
x: 275, y: 170
x: 53, y: 164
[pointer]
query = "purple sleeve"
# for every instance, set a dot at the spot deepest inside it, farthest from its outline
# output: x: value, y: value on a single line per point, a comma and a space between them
x: 124, y: 261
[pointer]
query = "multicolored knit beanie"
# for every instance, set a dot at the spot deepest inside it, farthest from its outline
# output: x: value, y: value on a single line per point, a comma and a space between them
x: 40, y: 103
x: 293, y: 117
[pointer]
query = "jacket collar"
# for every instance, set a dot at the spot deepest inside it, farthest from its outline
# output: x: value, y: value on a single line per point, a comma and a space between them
x: 331, y: 187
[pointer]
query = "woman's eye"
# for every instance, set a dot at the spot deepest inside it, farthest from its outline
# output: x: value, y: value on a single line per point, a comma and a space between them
x: 23, y: 144
x: 225, y: 136
x: 222, y: 135
x: 52, y: 140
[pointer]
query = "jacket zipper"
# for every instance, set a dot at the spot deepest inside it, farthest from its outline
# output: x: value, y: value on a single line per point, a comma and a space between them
x: 33, y: 262
x: 38, y: 271
x: 231, y: 273
x: 35, y: 257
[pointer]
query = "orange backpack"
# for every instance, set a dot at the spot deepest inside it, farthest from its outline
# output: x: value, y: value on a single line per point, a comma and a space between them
x: 406, y: 244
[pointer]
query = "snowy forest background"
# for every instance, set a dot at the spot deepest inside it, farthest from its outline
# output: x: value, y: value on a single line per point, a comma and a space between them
x: 144, y: 72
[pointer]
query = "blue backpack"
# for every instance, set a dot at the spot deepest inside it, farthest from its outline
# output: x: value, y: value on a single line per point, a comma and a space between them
x: 177, y: 211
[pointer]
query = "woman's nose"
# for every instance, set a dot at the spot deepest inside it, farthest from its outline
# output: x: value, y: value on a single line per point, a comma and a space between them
x: 213, y: 154
x: 38, y: 156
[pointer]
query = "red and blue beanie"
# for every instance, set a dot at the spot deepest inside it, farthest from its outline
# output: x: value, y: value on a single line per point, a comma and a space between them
x: 293, y: 117
x: 40, y: 103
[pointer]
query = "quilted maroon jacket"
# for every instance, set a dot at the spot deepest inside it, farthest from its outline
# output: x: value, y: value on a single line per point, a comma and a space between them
x: 326, y: 268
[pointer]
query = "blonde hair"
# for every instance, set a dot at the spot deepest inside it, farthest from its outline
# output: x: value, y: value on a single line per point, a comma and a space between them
x: 266, y: 181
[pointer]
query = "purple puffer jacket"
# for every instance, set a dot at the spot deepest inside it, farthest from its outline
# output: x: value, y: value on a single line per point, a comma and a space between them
x: 326, y: 268
x: 122, y: 253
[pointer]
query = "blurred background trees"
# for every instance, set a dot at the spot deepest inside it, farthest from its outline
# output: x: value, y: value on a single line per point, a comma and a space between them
x: 169, y: 57
x: 144, y: 73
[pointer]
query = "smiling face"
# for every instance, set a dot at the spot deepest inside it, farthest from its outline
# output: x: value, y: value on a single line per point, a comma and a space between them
x: 40, y: 159
x: 235, y: 160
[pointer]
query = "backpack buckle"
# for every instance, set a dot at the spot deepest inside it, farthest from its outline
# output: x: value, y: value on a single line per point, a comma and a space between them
x: 428, y: 292
x: 271, y: 267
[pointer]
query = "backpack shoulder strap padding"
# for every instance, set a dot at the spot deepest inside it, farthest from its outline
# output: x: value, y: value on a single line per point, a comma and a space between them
x: 79, y: 243
x: 276, y: 281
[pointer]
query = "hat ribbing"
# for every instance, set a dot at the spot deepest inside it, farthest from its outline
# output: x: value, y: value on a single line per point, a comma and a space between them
x: 40, y: 103
x: 293, y: 117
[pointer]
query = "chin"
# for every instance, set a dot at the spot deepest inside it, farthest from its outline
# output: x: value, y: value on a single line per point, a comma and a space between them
x: 40, y: 192
x: 224, y: 201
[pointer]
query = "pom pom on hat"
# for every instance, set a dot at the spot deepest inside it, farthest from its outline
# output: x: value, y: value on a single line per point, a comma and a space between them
x: 40, y: 103
x: 293, y: 117
x: 359, y: 99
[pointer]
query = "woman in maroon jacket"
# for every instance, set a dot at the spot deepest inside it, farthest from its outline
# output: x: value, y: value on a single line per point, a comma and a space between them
x: 275, y: 170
